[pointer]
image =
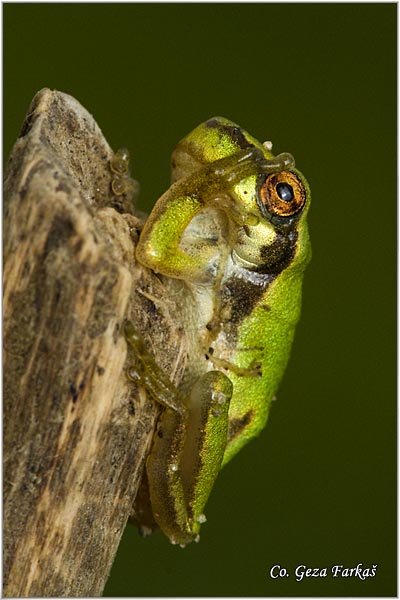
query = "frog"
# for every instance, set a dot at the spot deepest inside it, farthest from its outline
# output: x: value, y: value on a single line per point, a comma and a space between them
x: 229, y: 239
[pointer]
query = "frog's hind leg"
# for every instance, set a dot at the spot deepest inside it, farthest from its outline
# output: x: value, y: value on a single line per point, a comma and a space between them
x: 186, y: 457
x: 188, y: 445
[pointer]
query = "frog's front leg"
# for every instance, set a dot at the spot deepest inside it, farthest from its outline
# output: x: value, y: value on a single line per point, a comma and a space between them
x: 188, y: 445
x: 158, y: 246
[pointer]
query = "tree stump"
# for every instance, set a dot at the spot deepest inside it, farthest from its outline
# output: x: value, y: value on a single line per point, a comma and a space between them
x: 76, y: 431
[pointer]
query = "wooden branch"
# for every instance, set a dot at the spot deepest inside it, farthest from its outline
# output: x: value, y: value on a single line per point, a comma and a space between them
x: 76, y: 431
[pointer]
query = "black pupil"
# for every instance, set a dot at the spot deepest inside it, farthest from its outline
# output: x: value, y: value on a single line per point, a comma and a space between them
x: 285, y: 192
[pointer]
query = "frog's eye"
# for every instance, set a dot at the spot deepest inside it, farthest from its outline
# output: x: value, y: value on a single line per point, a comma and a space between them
x: 282, y: 194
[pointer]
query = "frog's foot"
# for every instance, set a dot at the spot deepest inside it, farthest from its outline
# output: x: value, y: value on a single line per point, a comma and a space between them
x: 149, y: 374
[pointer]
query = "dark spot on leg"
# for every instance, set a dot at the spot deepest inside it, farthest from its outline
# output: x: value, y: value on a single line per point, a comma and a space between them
x: 236, y: 426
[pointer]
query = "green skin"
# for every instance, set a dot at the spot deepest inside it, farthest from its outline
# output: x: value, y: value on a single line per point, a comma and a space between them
x: 236, y: 266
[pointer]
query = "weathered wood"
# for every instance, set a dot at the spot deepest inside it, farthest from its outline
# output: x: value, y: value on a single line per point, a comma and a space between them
x: 76, y: 432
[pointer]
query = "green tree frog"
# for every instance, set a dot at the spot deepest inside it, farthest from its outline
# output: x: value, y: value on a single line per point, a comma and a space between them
x: 230, y: 242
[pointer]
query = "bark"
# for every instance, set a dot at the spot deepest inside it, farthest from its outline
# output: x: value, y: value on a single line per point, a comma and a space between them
x: 76, y: 431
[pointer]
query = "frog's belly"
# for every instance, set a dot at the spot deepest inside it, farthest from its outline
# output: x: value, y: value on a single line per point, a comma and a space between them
x: 191, y: 307
x: 209, y: 345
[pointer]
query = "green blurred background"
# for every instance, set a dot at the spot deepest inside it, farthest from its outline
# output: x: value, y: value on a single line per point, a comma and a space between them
x: 318, y: 488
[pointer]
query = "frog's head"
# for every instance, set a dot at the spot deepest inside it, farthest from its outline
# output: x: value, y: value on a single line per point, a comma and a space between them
x: 266, y: 209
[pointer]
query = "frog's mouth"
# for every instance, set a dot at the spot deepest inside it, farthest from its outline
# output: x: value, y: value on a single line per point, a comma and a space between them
x: 242, y: 262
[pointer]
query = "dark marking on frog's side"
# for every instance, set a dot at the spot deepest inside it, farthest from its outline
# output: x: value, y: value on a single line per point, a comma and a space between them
x: 244, y: 290
x: 278, y: 255
x: 234, y: 132
x: 242, y: 295
x: 266, y: 307
x: 236, y: 426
